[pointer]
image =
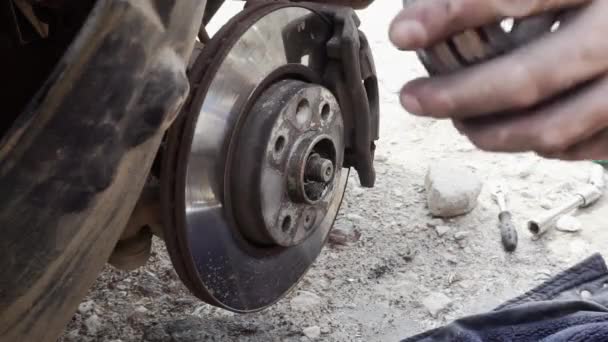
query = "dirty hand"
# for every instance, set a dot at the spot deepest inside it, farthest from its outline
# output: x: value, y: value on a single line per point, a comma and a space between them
x: 558, y: 84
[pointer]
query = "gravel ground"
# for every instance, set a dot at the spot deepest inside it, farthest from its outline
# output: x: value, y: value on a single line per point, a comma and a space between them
x: 399, y: 277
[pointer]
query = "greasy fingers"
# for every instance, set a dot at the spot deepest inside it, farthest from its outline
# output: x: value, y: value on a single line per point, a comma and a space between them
x: 549, y: 96
x: 425, y: 22
x: 553, y: 130
x: 552, y: 64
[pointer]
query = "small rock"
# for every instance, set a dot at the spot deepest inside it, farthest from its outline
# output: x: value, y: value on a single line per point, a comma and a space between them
x: 527, y: 194
x: 312, y: 332
x: 569, y: 224
x: 465, y: 149
x: 344, y: 235
x: 442, y: 230
x: 453, y: 278
x: 407, y: 254
x: 187, y: 301
x: 93, y: 324
x: 451, y: 258
x: 451, y: 190
x: 434, y: 223
x: 397, y: 193
x: 460, y: 235
x: 148, y: 286
x: 305, y: 301
x: 466, y: 285
x: 136, y: 317
x: 141, y: 309
x: 85, y: 307
x: 354, y: 218
x: 526, y: 170
x: 72, y: 335
x: 379, y: 271
x: 199, y: 311
x: 356, y: 191
x: 436, y: 302
x: 546, y: 204
x: 542, y: 275
x: 381, y: 158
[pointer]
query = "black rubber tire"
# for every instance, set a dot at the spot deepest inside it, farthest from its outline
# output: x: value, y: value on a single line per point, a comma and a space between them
x: 73, y: 165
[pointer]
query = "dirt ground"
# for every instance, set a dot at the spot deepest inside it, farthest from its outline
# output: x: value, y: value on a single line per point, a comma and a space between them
x: 380, y: 287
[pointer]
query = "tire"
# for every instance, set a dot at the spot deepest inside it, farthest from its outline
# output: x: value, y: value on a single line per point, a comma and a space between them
x: 73, y: 165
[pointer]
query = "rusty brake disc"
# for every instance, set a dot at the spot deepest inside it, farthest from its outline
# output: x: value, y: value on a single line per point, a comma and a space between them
x: 253, y: 171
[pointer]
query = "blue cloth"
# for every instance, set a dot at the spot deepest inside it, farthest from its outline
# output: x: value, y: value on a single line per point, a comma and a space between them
x: 551, y: 312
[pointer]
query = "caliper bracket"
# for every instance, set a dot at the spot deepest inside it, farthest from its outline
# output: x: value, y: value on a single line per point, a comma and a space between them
x: 351, y: 75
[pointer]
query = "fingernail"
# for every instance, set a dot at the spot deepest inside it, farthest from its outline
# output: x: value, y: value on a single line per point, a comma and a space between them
x: 408, y: 34
x: 411, y: 104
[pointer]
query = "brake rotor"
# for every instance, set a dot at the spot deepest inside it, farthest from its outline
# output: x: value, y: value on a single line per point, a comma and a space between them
x: 252, y: 172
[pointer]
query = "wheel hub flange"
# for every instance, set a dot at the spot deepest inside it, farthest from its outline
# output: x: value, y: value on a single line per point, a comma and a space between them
x: 289, y: 152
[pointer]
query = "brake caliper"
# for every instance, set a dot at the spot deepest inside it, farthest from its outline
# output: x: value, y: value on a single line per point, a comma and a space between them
x: 351, y: 75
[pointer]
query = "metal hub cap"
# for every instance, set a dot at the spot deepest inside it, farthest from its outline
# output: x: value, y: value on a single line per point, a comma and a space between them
x: 252, y: 186
x: 290, y: 151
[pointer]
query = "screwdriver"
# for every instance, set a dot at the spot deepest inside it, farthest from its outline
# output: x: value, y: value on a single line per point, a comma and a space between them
x: 508, y: 233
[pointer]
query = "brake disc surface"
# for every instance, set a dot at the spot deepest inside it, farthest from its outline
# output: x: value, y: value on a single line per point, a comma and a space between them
x: 215, y: 208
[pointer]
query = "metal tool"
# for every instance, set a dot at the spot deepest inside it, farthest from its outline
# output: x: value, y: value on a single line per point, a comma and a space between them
x: 508, y: 232
x: 283, y: 101
x: 585, y: 197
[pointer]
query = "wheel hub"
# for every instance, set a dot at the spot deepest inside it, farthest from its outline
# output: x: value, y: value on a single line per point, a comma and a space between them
x: 289, y: 154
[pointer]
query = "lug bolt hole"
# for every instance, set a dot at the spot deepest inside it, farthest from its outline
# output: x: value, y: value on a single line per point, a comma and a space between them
x: 279, y: 145
x: 303, y: 112
x: 286, y: 224
x: 309, y: 220
x: 325, y: 112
